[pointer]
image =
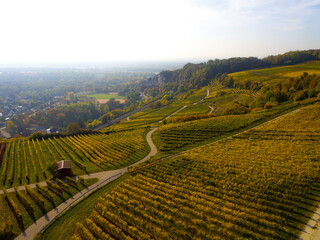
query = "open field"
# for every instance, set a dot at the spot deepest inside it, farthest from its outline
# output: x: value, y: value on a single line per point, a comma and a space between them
x: 105, y: 96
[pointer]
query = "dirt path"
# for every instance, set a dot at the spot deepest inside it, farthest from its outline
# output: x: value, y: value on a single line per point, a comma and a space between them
x: 211, y: 109
x: 174, y: 113
x: 104, y: 178
x: 312, y: 228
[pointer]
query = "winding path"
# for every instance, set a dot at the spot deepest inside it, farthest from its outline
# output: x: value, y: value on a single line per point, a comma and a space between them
x: 211, y: 109
x: 104, y: 178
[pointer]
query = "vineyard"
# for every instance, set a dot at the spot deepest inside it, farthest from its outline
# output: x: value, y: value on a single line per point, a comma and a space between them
x: 262, y: 184
x: 177, y: 135
x: 193, y: 110
x: 278, y: 73
x: 150, y: 117
x: 23, y: 207
x: 28, y: 161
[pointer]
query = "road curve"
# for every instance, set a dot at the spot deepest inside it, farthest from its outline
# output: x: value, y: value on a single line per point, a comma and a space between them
x: 104, y: 178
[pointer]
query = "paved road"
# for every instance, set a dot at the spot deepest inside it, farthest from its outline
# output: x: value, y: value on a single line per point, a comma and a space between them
x: 104, y: 178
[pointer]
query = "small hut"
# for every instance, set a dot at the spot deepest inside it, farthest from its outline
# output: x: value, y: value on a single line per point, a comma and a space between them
x: 63, y: 169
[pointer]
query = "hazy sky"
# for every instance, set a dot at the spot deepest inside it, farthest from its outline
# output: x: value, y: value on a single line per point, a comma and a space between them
x: 143, y: 30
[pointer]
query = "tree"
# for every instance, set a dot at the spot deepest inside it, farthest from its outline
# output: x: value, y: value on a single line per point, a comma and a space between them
x: 94, y: 124
x: 73, y: 128
x: 11, y: 128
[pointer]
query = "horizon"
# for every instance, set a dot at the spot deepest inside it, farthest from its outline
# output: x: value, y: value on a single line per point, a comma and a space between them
x: 144, y: 31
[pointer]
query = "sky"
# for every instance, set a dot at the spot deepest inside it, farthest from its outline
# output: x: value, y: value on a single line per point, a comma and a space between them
x: 154, y: 30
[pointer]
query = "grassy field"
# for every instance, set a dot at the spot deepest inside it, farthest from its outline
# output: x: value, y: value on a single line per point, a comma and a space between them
x: 105, y: 96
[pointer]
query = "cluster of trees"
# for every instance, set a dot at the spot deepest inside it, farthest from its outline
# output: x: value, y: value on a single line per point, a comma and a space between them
x: 292, y: 89
x: 198, y: 75
x: 82, y: 113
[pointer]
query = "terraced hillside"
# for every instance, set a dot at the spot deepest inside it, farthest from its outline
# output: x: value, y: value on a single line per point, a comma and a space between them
x: 261, y: 184
x: 154, y: 116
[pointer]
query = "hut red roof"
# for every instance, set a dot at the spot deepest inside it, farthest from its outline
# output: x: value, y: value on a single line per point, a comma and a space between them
x: 63, y: 164
x: 63, y: 169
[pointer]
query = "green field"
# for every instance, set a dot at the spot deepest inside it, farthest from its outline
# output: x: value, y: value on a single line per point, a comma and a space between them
x: 105, y: 96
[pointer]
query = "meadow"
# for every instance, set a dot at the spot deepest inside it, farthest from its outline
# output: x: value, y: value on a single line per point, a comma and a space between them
x: 104, y: 96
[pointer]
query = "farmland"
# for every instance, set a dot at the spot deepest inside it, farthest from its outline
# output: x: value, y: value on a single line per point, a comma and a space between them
x: 29, y: 161
x: 244, y: 187
x: 275, y: 74
x: 247, y: 182
x: 104, y: 96
x: 23, y: 207
x: 193, y: 110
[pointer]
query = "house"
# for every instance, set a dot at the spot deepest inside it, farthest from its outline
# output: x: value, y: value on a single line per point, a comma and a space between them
x: 20, y: 108
x: 63, y: 169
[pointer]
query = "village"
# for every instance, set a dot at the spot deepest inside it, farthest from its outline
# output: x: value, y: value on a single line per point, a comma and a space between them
x: 14, y: 106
